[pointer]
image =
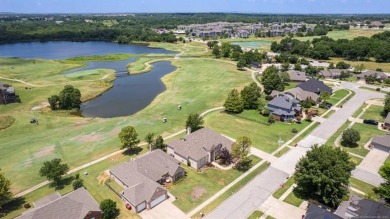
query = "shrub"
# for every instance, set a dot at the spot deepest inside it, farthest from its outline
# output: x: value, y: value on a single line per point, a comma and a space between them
x: 271, y: 119
x: 265, y: 112
x: 309, y: 117
x: 294, y: 130
x: 378, y: 89
x: 268, y: 97
x: 27, y: 205
x: 350, y: 137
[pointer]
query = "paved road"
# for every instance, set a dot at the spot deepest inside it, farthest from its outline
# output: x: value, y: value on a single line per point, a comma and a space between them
x: 254, y: 194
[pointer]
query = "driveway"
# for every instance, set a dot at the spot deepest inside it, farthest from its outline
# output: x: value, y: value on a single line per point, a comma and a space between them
x: 367, y: 170
x: 165, y: 210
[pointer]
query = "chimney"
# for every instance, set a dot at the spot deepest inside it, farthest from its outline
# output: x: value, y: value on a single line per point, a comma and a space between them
x: 188, y: 130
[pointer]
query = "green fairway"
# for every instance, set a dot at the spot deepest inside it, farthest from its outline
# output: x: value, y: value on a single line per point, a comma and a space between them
x: 344, y: 34
x: 186, y: 49
x: 79, y: 140
x: 374, y: 112
x: 199, y: 186
x: 249, y: 123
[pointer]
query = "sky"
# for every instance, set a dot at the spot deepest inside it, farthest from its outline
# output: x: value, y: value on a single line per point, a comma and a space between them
x: 159, y: 6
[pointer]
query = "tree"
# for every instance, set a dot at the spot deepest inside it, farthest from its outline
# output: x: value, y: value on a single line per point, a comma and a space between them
x: 324, y: 95
x: 53, y: 170
x: 350, y: 137
x: 128, y: 137
x: 149, y: 139
x: 271, y: 119
x: 216, y: 51
x: 234, y: 103
x: 225, y: 156
x: 159, y: 143
x: 271, y: 80
x: 387, y: 103
x: 225, y: 49
x: 359, y: 68
x: 244, y: 164
x: 285, y: 77
x: 370, y: 79
x: 342, y: 65
x: 69, y: 98
x: 285, y: 66
x: 78, y: 182
x: 384, y: 189
x: 194, y: 122
x: 53, y: 101
x: 261, y: 104
x: 109, y: 209
x: 241, y: 147
x: 250, y: 94
x: 297, y: 67
x: 323, y: 174
x: 331, y: 65
x: 241, y: 64
x: 5, y: 190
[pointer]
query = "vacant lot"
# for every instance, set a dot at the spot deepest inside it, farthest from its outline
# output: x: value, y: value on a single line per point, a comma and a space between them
x: 249, y: 123
x: 345, y: 34
x: 24, y: 147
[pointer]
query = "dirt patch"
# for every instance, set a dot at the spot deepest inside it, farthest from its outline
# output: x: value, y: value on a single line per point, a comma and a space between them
x: 90, y: 137
x: 221, y: 182
x: 40, y: 106
x: 197, y: 193
x: 103, y: 177
x: 27, y: 163
x: 46, y: 151
x: 114, y: 132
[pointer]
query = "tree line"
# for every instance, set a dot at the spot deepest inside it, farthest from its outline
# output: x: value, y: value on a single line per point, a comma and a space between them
x: 357, y: 49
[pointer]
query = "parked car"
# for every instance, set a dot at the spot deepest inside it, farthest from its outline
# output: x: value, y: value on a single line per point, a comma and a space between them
x: 370, y: 122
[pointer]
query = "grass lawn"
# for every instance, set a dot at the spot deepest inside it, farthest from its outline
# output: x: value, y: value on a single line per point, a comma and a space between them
x: 347, y: 99
x: 360, y: 110
x: 367, y: 64
x: 293, y: 199
x: 251, y: 124
x: 278, y: 193
x: 24, y: 147
x: 373, y: 89
x: 281, y: 152
x: 344, y: 34
x: 329, y: 114
x: 337, y: 96
x: 290, y: 85
x: 364, y: 187
x: 366, y: 133
x: 270, y: 217
x: 255, y: 215
x: 199, y: 186
x: 356, y: 160
x: 332, y: 139
x: 6, y: 121
x: 232, y: 190
x: 305, y: 133
x: 374, y: 112
x: 93, y: 182
x: 186, y: 49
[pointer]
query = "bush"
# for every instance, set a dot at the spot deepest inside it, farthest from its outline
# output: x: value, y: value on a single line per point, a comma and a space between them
x: 294, y: 130
x: 350, y: 137
x: 378, y: 89
x: 309, y: 117
x: 269, y: 97
x: 271, y: 119
x: 265, y: 112
x: 27, y: 205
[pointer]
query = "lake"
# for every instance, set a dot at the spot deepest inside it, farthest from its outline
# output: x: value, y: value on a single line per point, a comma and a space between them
x: 253, y: 44
x: 64, y: 50
x: 129, y: 94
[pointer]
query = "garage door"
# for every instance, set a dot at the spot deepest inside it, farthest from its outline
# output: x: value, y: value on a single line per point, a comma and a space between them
x: 157, y: 201
x: 141, y: 207
x: 382, y: 148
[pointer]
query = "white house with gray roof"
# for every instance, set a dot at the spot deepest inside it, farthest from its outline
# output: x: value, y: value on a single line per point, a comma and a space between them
x: 78, y: 204
x: 141, y: 179
x: 199, y: 148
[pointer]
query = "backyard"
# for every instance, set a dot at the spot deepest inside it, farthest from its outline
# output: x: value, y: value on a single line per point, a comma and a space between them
x: 199, y: 186
x: 264, y: 137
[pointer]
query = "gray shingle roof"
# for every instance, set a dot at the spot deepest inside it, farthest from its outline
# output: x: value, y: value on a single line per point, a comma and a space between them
x: 76, y: 204
x: 300, y: 94
x: 387, y: 120
x: 47, y: 199
x: 141, y: 175
x: 316, y: 212
x: 314, y: 85
x: 359, y: 208
x: 383, y: 140
x: 283, y: 102
x: 296, y: 75
x: 197, y: 144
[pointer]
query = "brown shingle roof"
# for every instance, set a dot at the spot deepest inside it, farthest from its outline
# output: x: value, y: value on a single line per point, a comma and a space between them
x: 76, y: 204
x: 197, y: 144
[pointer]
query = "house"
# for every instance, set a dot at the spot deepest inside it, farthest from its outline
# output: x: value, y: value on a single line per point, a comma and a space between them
x: 298, y: 94
x: 296, y: 76
x: 78, y: 204
x: 317, y: 212
x: 386, y: 124
x: 315, y: 86
x: 377, y: 74
x: 198, y: 148
x: 381, y: 142
x: 331, y: 73
x: 284, y: 108
x: 357, y: 207
x: 142, y: 179
x: 7, y: 94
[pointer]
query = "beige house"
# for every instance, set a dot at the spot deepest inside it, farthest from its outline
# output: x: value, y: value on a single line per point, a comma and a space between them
x: 198, y: 148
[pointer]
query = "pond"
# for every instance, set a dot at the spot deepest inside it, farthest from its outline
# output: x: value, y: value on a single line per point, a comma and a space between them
x: 64, y: 50
x: 253, y: 44
x: 129, y: 94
